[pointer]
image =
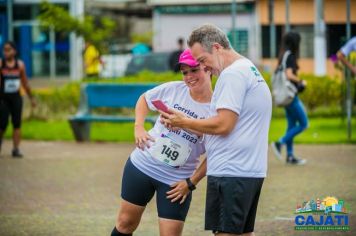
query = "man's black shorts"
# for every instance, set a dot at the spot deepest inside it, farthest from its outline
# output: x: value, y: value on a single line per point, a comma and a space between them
x: 231, y: 204
x: 139, y: 188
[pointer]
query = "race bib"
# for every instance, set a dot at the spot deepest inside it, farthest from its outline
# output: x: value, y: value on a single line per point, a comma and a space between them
x: 169, y: 151
x: 12, y: 85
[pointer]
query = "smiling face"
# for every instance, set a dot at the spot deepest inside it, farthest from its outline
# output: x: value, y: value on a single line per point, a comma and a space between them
x: 195, y: 77
x: 209, y: 61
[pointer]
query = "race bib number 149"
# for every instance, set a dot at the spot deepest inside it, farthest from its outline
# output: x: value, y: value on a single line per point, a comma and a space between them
x: 170, y: 152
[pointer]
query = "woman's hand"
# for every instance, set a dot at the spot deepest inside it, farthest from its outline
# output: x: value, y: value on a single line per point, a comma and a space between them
x: 142, y: 138
x: 180, y: 191
x: 33, y: 102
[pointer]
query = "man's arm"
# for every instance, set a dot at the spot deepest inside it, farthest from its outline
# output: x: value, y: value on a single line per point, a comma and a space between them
x: 221, y: 124
x: 346, y: 62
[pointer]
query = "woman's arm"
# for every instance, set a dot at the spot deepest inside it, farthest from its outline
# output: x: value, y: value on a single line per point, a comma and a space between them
x: 180, y: 189
x: 291, y: 76
x: 24, y: 82
x: 142, y: 138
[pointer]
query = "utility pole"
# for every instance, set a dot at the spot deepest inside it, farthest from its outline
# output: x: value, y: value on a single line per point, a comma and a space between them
x: 233, y: 23
x: 348, y: 75
x: 272, y: 30
x: 287, y: 27
x: 319, y: 39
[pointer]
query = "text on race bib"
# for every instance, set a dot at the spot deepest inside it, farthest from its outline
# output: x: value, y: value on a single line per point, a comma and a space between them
x: 170, y: 152
x: 11, y: 85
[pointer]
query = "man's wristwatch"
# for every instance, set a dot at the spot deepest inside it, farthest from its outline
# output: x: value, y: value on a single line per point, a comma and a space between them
x: 191, y: 186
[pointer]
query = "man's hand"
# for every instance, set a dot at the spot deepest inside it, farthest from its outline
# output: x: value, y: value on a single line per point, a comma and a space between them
x: 142, y: 138
x: 180, y: 191
x: 173, y: 120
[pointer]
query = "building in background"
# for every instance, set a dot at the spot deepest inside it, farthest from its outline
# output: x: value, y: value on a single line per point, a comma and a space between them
x: 302, y: 18
x: 160, y: 23
x: 132, y: 17
x: 45, y: 52
x: 133, y: 20
x: 176, y: 19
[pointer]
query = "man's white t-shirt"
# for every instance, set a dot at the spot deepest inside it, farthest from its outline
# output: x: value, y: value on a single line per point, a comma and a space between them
x: 349, y: 47
x: 175, y: 95
x: 242, y: 153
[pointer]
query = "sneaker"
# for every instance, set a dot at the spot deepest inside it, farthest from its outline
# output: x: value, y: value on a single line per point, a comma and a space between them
x: 16, y: 153
x: 277, y: 148
x: 295, y: 161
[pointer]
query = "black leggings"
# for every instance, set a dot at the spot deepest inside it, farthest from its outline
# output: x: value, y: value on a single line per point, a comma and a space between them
x: 10, y: 105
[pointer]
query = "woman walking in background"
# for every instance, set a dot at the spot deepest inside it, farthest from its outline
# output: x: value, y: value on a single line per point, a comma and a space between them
x: 295, y: 111
x: 12, y: 77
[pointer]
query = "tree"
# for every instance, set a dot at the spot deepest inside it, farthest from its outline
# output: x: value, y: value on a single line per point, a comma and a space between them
x: 93, y: 32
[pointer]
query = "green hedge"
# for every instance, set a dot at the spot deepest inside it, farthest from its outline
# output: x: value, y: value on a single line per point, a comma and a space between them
x: 322, y: 97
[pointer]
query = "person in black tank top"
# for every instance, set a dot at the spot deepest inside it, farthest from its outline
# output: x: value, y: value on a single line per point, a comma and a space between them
x: 12, y: 77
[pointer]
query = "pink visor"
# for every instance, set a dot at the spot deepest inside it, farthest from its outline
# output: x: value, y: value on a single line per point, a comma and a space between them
x: 186, y: 58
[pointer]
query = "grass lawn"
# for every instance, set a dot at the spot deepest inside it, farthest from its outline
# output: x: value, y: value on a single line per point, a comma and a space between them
x: 321, y: 130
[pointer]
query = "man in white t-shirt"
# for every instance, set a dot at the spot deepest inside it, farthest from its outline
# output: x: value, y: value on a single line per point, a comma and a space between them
x: 344, y: 52
x: 236, y: 139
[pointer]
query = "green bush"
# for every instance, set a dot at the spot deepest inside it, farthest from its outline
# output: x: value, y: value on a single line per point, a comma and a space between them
x: 322, y: 97
x: 321, y: 91
x: 323, y: 94
x: 56, y: 102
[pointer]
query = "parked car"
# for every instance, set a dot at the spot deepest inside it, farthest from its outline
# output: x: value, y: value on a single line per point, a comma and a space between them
x: 157, y: 62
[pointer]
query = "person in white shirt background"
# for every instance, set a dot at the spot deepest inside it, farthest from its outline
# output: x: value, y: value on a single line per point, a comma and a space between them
x: 345, y: 51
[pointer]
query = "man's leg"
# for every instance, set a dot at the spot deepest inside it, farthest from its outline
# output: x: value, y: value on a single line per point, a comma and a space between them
x: 227, y: 234
x: 235, y: 203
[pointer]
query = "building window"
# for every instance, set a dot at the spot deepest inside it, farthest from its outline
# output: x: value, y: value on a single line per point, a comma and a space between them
x: 265, y: 41
x: 336, y: 37
x: 306, y: 45
x: 241, y: 44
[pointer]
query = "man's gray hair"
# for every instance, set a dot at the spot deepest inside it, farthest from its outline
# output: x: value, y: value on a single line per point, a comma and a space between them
x: 207, y: 35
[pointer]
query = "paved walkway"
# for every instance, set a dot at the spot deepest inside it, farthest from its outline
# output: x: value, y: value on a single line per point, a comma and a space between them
x: 65, y: 188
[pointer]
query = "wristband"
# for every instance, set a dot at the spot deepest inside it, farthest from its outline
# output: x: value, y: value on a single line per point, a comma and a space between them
x: 191, y: 186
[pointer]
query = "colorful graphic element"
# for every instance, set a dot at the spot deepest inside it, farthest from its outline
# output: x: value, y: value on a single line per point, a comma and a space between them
x: 328, y: 214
